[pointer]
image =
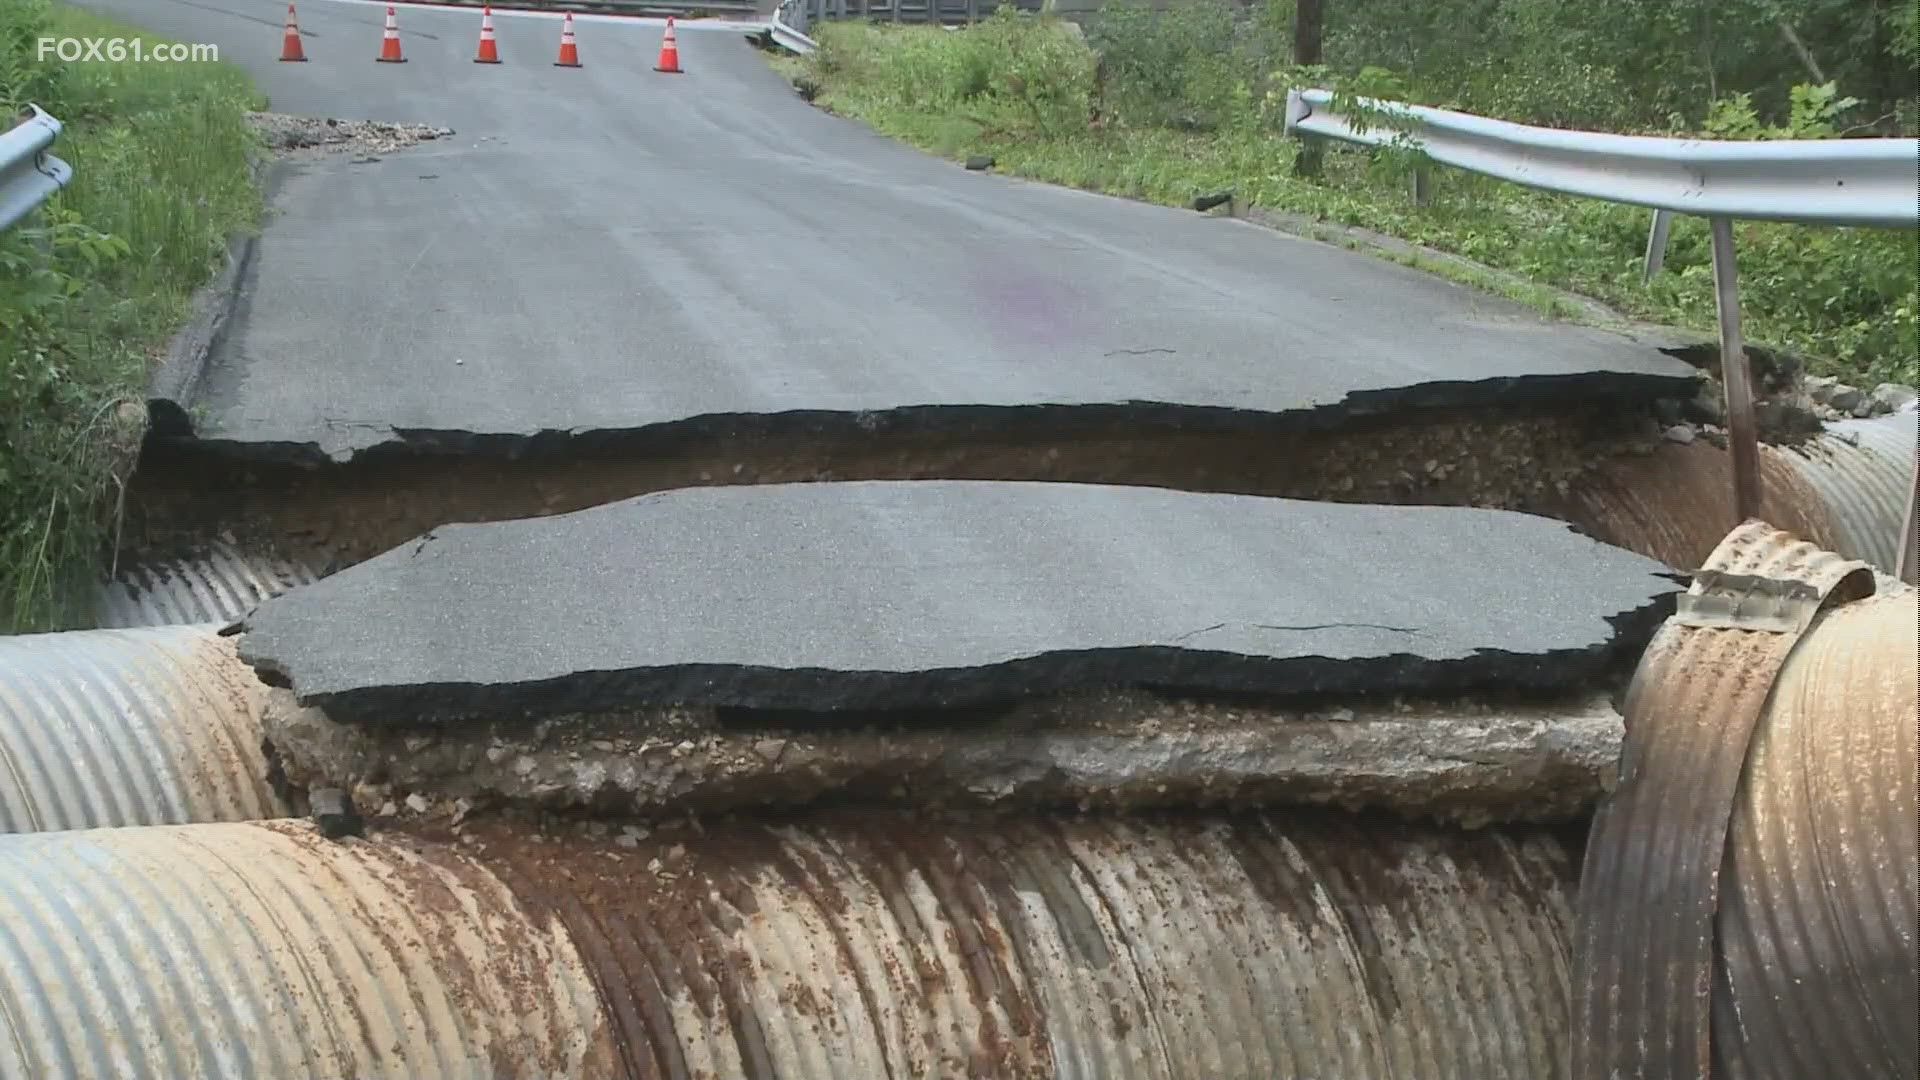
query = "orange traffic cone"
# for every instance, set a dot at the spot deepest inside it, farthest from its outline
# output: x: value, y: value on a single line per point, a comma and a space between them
x: 290, y: 49
x: 489, y: 49
x: 569, y: 52
x: 390, y: 46
x: 669, y: 53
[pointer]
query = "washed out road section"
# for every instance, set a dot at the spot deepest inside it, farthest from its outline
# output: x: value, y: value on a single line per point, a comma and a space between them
x: 611, y: 250
x: 903, y: 595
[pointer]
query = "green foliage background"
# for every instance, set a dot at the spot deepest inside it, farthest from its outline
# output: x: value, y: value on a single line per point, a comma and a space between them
x: 92, y: 285
x: 1166, y: 102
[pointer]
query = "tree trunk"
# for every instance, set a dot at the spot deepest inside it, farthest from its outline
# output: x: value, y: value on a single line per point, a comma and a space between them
x: 1800, y: 49
x: 1307, y: 26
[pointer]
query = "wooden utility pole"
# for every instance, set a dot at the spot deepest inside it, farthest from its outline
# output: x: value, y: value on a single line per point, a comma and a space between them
x: 1307, y: 26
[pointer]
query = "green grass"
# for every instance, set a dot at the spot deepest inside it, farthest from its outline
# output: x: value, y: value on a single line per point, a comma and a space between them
x: 1023, y: 91
x: 93, y: 285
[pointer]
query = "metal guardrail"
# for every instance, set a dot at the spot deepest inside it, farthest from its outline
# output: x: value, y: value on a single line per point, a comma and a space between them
x: 1810, y: 182
x: 789, y: 27
x: 1862, y: 182
x: 28, y: 173
x: 804, y: 13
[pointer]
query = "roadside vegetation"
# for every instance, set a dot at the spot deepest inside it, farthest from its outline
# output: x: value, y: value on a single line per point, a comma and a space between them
x: 1172, y: 105
x: 92, y: 285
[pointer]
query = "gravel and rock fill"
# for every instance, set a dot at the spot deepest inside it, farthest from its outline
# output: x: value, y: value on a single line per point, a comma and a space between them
x: 1465, y: 761
x: 328, y: 134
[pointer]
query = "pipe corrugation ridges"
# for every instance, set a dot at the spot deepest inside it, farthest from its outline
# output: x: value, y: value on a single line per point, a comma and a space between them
x: 220, y: 587
x: 1845, y: 490
x: 1643, y: 995
x: 1862, y: 471
x: 1759, y: 549
x: 1676, y: 504
x: 1171, y: 949
x: 878, y: 945
x: 262, y: 950
x: 1817, y: 915
x: 152, y: 726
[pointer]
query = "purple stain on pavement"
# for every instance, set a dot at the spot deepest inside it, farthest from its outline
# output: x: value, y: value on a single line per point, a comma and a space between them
x: 1029, y: 310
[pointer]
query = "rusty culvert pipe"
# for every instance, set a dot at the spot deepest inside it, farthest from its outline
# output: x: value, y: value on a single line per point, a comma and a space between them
x: 1750, y: 891
x: 221, y: 585
x: 1861, y: 472
x: 261, y: 950
x: 149, y: 726
x: 1820, y: 892
x: 1845, y: 490
x: 870, y: 946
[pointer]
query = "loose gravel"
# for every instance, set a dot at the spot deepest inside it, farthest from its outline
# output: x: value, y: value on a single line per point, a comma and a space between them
x: 286, y: 133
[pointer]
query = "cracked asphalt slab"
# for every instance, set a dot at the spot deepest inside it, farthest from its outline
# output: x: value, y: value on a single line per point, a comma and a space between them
x: 607, y: 249
x: 935, y: 594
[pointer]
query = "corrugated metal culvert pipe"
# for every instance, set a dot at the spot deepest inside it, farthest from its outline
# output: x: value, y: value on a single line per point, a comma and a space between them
x: 1821, y: 890
x: 219, y: 586
x: 151, y: 726
x: 1845, y: 490
x: 262, y: 950
x: 1861, y: 472
x: 869, y: 946
x: 1751, y: 889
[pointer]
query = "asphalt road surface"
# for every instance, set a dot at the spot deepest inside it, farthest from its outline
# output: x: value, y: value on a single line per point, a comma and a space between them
x: 611, y: 249
x: 938, y: 593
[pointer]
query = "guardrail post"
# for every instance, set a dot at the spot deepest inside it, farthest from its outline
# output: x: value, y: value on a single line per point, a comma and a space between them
x: 1422, y: 186
x: 1657, y: 245
x: 1742, y: 432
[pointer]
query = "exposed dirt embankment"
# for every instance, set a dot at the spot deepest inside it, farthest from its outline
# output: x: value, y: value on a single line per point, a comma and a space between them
x: 1471, y: 761
x: 1512, y: 458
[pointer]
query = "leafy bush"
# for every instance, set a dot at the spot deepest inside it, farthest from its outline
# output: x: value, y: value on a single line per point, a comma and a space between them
x: 1197, y: 67
x: 1013, y: 74
x: 22, y: 78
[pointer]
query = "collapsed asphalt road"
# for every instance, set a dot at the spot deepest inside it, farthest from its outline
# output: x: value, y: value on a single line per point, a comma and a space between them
x: 608, y: 250
x: 367, y: 318
x: 935, y: 594
x: 1447, y: 662
x: 960, y: 643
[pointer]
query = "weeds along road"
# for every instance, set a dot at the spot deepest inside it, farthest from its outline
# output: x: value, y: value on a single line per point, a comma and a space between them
x: 608, y: 249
